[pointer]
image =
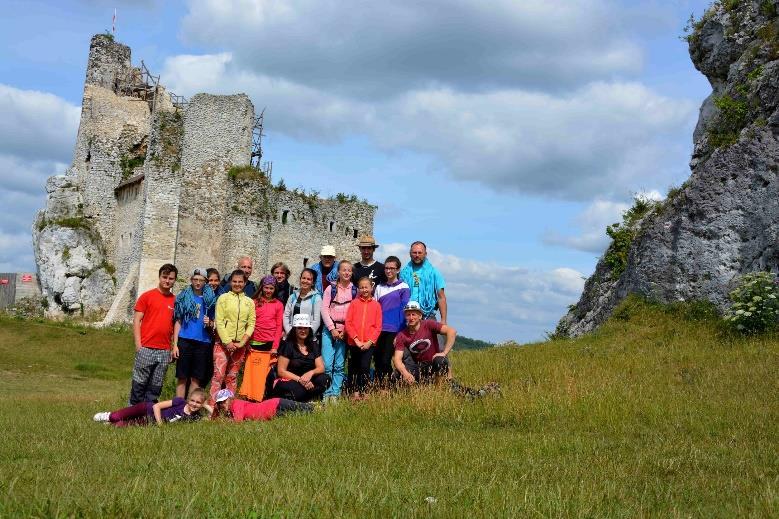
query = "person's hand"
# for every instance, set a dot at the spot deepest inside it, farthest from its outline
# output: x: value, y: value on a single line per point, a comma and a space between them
x: 137, y: 347
x: 358, y: 343
x: 365, y: 346
x: 274, y: 353
x: 174, y: 353
x: 409, y: 379
x: 305, y: 378
x: 440, y: 354
x: 206, y: 321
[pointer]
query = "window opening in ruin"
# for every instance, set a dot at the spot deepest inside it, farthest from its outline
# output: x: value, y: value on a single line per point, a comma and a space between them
x: 346, y: 232
x: 355, y: 233
x: 284, y: 215
x: 305, y: 262
x: 331, y: 226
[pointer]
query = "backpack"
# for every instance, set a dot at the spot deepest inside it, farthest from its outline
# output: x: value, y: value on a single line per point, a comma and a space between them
x: 334, y: 293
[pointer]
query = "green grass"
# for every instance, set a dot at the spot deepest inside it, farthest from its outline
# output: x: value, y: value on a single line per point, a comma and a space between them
x: 660, y: 413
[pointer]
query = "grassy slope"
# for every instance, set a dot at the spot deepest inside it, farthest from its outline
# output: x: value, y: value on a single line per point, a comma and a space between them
x: 653, y: 415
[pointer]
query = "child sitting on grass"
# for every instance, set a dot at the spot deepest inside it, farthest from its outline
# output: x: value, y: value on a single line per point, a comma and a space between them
x: 240, y: 410
x: 145, y: 413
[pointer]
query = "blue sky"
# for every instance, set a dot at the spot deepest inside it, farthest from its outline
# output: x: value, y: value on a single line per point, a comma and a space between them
x: 506, y: 135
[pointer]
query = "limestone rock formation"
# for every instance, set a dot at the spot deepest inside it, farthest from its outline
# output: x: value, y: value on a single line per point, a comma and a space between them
x: 724, y: 220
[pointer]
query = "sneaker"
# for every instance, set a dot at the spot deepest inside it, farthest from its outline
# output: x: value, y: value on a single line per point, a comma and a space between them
x: 102, y: 417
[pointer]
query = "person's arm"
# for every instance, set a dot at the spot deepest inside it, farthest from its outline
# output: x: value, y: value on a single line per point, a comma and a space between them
x: 281, y: 369
x: 442, y: 305
x: 374, y: 329
x: 350, y: 330
x: 279, y: 317
x: 209, y: 409
x: 397, y: 360
x: 221, y: 330
x: 326, y: 300
x: 316, y: 308
x: 176, y: 329
x: 319, y: 367
x: 249, y: 324
x: 137, y: 318
x: 287, y: 321
x: 451, y: 335
x: 157, y: 409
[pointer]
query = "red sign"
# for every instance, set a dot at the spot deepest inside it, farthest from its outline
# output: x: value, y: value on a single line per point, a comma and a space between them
x: 26, y: 278
x: 4, y: 281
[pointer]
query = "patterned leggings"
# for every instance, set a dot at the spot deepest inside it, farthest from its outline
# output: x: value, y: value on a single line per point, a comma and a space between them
x: 226, y: 368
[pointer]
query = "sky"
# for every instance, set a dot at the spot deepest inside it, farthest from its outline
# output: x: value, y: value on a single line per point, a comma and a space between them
x: 506, y: 135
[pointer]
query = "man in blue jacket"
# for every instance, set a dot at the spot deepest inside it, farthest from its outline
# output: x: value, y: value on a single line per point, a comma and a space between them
x: 246, y: 264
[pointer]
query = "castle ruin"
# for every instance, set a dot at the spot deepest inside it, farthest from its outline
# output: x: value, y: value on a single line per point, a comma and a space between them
x: 157, y: 179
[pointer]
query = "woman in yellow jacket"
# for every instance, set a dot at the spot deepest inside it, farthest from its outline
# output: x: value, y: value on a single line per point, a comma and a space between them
x: 234, y: 326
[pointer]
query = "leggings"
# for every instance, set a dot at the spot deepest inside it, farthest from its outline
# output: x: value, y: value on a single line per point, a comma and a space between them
x: 359, y: 368
x: 226, y: 368
x: 138, y: 414
x: 382, y: 357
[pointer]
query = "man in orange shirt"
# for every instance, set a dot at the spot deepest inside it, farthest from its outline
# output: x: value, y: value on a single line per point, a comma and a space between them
x: 153, y: 331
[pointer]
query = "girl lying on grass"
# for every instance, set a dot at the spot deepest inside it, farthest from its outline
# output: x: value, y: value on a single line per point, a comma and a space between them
x: 240, y: 410
x: 145, y: 413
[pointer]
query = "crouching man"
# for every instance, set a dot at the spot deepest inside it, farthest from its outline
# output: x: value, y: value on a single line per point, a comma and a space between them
x: 416, y: 357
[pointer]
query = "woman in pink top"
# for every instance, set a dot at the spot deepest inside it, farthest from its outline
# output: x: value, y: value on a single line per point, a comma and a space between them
x: 264, y: 343
x: 335, y: 304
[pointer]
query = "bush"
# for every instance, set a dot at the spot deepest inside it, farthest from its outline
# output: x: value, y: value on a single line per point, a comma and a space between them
x: 247, y: 172
x: 755, y: 303
x: 732, y: 118
x: 623, y: 234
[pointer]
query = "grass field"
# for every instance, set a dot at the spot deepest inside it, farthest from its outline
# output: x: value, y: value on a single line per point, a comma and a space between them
x: 655, y: 415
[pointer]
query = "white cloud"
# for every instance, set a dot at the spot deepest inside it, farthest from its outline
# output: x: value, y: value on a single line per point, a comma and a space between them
x: 37, y: 133
x: 596, y: 141
x: 36, y: 125
x: 497, y: 302
x: 371, y: 49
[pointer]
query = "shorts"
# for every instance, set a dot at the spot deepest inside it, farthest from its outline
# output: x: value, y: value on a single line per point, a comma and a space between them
x: 194, y: 360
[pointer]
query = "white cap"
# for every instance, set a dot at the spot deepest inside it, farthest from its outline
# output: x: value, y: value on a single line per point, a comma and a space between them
x: 301, y: 321
x: 412, y: 306
x: 327, y: 250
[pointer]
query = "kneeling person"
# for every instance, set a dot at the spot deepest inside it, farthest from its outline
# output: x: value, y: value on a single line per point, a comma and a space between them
x: 416, y: 357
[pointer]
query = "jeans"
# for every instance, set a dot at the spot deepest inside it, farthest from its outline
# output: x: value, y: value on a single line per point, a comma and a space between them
x: 334, y: 357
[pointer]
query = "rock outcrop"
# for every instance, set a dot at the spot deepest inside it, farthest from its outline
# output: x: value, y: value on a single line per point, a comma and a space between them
x: 724, y: 220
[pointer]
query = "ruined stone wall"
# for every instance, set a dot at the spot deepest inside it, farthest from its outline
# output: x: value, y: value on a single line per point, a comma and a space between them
x: 108, y: 63
x: 301, y: 226
x: 162, y: 183
x: 128, y: 226
x: 217, y: 135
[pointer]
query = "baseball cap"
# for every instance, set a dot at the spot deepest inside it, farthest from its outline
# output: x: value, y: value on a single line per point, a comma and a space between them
x: 224, y: 394
x: 412, y: 306
x: 199, y: 271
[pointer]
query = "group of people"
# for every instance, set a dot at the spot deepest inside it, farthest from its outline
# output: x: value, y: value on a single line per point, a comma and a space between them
x: 292, y: 343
